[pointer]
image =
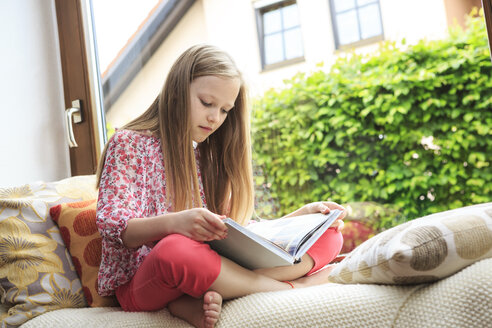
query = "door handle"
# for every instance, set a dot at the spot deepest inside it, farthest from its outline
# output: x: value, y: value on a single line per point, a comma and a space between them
x: 73, y: 115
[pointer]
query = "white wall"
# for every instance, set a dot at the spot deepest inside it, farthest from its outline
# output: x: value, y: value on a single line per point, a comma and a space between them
x: 414, y: 20
x: 231, y: 26
x: 33, y: 146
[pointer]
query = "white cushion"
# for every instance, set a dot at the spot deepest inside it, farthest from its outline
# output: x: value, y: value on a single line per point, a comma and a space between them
x: 421, y: 250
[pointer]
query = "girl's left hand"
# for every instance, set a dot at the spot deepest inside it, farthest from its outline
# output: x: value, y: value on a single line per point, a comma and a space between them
x: 325, y: 208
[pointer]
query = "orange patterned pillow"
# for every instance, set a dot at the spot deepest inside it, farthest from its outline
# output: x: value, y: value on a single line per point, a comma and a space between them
x: 77, y: 223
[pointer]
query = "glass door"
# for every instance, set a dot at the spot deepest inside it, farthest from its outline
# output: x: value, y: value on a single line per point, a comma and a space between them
x: 132, y: 62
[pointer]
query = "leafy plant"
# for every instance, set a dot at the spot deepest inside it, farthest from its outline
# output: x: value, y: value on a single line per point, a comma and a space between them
x: 110, y: 130
x: 408, y: 127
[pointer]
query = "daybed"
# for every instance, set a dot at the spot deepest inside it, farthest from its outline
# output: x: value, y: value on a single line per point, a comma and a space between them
x: 434, y: 272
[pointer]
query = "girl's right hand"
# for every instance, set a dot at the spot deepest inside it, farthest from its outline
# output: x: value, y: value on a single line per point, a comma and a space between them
x: 200, y: 224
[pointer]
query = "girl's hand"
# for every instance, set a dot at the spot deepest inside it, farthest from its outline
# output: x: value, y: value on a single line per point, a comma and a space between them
x: 200, y: 224
x: 325, y: 208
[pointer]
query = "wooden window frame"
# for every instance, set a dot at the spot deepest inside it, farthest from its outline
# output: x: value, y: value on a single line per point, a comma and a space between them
x: 81, y: 82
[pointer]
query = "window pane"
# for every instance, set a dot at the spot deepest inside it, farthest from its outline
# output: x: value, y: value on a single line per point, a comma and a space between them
x: 112, y: 37
x: 290, y: 16
x: 348, y: 29
x: 341, y: 5
x: 293, y: 43
x: 365, y: 2
x: 124, y: 40
x: 272, y: 22
x: 273, y: 49
x: 370, y: 21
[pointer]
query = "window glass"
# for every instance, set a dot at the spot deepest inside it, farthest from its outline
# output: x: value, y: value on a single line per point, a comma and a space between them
x: 125, y: 20
x: 347, y: 27
x: 293, y: 43
x: 272, y: 21
x: 341, y: 5
x: 273, y: 49
x: 365, y: 2
x: 121, y: 32
x: 370, y: 21
x: 290, y: 16
x: 355, y: 20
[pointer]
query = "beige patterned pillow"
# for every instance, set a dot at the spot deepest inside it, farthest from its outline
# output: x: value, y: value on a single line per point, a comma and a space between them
x: 36, y: 271
x: 421, y: 250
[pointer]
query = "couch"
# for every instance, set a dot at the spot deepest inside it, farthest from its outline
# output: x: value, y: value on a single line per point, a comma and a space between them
x: 435, y: 271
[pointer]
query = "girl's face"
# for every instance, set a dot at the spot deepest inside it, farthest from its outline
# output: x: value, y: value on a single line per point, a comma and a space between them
x: 211, y: 99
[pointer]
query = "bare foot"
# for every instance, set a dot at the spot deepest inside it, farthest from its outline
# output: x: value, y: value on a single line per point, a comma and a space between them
x: 201, y: 313
x: 212, y: 305
x: 317, y: 278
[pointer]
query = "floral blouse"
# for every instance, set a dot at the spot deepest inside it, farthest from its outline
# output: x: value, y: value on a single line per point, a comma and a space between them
x: 133, y: 185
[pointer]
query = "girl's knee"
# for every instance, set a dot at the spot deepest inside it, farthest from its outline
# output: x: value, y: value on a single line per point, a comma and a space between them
x: 339, y: 238
x: 174, y: 247
x: 186, y: 264
x: 175, y: 242
x: 180, y: 251
x: 333, y: 237
x: 326, y: 248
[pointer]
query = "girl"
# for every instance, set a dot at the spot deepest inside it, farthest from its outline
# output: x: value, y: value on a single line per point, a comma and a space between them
x: 160, y: 199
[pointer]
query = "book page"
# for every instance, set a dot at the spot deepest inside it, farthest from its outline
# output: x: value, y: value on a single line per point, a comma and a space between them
x: 290, y: 233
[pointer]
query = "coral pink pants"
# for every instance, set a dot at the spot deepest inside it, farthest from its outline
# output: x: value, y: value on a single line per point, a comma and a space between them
x: 178, y: 265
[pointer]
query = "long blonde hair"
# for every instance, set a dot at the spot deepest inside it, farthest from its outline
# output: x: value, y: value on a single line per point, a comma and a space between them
x: 225, y: 158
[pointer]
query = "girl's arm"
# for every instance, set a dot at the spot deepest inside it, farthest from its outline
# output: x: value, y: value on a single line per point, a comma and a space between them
x: 198, y: 224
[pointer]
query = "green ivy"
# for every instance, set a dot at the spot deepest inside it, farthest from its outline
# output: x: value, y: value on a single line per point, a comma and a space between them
x: 110, y: 130
x: 408, y: 126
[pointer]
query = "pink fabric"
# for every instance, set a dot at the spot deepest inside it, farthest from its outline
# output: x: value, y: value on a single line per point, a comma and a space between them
x: 325, y: 249
x: 133, y: 185
x: 177, y: 265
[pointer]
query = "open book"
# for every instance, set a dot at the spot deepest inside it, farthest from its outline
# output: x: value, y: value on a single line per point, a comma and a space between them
x: 272, y: 243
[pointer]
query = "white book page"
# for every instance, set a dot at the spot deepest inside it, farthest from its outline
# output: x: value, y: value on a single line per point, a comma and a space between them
x: 289, y: 233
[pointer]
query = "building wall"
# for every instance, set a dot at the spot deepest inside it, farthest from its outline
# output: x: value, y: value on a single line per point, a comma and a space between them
x: 33, y: 145
x: 413, y: 20
x: 456, y: 10
x: 231, y: 25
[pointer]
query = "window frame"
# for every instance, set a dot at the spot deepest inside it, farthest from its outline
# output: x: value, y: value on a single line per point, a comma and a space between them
x: 259, y: 12
x: 360, y: 42
x: 487, y: 10
x: 81, y: 82
x: 82, y: 77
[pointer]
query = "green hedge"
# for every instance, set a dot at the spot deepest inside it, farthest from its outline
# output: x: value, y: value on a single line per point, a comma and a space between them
x: 411, y: 128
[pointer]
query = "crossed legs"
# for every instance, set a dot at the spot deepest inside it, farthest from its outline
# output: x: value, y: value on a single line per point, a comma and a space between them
x: 192, y: 280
